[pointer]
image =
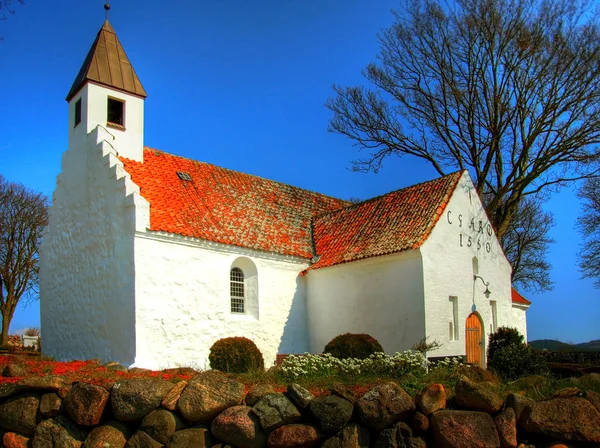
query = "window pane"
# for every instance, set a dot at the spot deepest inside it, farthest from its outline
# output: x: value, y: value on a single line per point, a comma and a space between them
x: 115, y: 112
x: 236, y: 288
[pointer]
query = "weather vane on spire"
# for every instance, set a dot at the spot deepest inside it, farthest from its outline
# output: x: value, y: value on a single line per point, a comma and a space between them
x: 106, y: 7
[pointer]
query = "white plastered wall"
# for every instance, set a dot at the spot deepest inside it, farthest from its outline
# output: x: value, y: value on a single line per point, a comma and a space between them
x: 380, y: 296
x: 519, y: 318
x: 86, y: 259
x: 183, y: 301
x: 129, y: 142
x: 448, y: 271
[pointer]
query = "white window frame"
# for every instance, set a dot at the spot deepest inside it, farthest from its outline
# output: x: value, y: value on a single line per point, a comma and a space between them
x: 237, y: 291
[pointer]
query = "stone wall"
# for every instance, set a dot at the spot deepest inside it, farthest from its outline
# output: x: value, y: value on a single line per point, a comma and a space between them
x: 213, y: 410
x: 572, y: 357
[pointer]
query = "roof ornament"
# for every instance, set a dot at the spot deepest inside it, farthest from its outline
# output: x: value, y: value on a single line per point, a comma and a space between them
x: 106, y: 7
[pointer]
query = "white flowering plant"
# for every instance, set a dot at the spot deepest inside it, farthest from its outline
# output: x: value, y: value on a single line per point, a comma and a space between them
x: 309, y: 366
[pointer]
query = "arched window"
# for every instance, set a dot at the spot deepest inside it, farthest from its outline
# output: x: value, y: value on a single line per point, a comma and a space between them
x: 237, y: 289
x: 243, y: 288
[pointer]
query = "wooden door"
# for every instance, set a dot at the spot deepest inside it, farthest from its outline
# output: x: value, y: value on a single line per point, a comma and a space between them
x: 474, y: 339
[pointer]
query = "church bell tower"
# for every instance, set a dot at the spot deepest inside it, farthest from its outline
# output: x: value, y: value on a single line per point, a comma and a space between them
x: 108, y: 93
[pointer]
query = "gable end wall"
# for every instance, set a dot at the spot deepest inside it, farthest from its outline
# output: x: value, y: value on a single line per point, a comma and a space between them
x: 448, y: 271
x: 86, y: 260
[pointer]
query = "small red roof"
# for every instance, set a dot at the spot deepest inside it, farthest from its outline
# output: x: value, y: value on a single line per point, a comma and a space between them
x: 398, y: 221
x: 518, y: 298
x: 227, y: 206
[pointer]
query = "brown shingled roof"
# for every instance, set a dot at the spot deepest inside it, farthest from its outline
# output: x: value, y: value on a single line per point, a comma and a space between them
x: 227, y: 206
x: 398, y: 221
x: 106, y: 63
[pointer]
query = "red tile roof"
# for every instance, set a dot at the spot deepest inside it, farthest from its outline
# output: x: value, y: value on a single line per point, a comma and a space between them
x: 398, y: 221
x: 518, y: 298
x: 226, y: 206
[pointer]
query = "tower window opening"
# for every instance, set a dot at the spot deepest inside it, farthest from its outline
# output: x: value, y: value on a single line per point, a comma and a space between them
x: 77, y: 112
x: 115, y: 115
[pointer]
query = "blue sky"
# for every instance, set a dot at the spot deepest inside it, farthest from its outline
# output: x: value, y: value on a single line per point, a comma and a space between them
x: 241, y: 84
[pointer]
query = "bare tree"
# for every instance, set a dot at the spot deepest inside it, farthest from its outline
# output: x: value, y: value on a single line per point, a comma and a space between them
x: 526, y: 243
x: 508, y: 89
x: 589, y: 225
x: 23, y: 216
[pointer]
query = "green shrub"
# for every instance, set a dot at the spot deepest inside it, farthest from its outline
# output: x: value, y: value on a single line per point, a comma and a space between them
x: 359, y: 346
x: 518, y: 360
x: 503, y: 337
x: 235, y: 355
x: 511, y: 358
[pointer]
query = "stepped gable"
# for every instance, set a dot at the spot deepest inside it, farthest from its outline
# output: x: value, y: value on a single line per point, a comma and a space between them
x: 518, y: 298
x: 398, y: 221
x: 226, y: 206
x: 106, y: 63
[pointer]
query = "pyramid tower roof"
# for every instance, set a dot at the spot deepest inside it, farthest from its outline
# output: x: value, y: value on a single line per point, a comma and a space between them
x: 107, y: 64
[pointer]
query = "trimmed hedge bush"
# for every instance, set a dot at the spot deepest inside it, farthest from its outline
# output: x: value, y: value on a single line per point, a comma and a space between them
x: 511, y: 358
x: 235, y: 355
x: 349, y: 345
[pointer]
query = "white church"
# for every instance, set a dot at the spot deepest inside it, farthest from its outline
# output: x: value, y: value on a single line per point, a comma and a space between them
x: 149, y: 257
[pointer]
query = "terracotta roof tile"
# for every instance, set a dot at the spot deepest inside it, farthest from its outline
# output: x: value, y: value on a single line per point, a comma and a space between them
x: 398, y: 221
x: 227, y: 206
x: 518, y: 298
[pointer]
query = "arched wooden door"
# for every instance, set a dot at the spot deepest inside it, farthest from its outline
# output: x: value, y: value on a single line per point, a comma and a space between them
x: 474, y: 339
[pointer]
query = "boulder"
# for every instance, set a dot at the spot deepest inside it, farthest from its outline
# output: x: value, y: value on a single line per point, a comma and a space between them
x: 518, y: 403
x: 9, y: 389
x: 85, y: 403
x: 478, y: 374
x: 188, y: 371
x: 132, y: 400
x: 161, y: 424
x: 400, y: 436
x: 564, y: 419
x: 135, y: 370
x: 208, y: 394
x: 114, y: 367
x: 567, y: 392
x: 142, y: 440
x: 463, y: 429
x: 172, y: 397
x: 343, y: 391
x: 529, y: 382
x: 59, y: 432
x: 352, y: 436
x: 506, y: 424
x: 113, y: 434
x: 300, y: 396
x: 275, y: 410
x: 384, y: 405
x: 294, y: 436
x: 16, y: 440
x: 51, y: 405
x: 63, y: 391
x: 239, y: 426
x: 590, y: 381
x: 13, y: 370
x: 432, y: 398
x: 419, y: 422
x: 44, y: 383
x: 257, y: 393
x: 19, y: 414
x: 191, y: 438
x: 477, y: 396
x: 594, y: 398
x: 332, y: 413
